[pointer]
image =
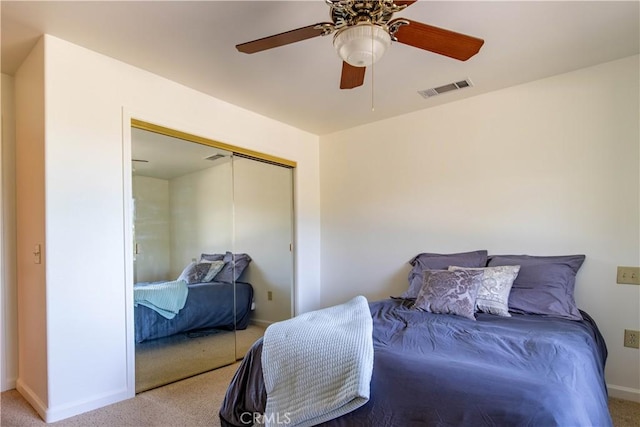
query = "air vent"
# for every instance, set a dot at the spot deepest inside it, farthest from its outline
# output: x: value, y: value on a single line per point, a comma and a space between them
x: 214, y: 157
x: 428, y: 93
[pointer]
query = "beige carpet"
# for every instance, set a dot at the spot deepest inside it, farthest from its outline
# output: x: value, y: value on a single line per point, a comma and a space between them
x: 163, y: 361
x: 191, y: 402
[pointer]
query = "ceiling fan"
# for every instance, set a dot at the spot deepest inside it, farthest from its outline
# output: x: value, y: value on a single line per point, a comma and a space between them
x: 363, y: 32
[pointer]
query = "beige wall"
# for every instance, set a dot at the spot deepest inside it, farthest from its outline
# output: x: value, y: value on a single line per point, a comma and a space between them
x: 263, y: 229
x: 33, y: 313
x: 152, y: 230
x: 201, y: 214
x: 544, y: 168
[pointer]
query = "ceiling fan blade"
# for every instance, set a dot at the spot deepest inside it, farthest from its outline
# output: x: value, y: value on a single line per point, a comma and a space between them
x: 351, y: 76
x: 438, y: 40
x: 403, y: 2
x: 281, y: 39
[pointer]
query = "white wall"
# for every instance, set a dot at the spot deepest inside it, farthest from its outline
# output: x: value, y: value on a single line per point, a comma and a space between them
x: 9, y: 300
x: 544, y: 168
x: 152, y: 229
x: 88, y: 352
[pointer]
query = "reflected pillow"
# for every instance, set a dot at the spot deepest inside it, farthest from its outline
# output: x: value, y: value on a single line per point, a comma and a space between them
x: 215, y: 267
x: 211, y: 257
x: 234, y: 266
x: 430, y: 261
x: 194, y: 272
x: 493, y: 295
x: 449, y: 292
x: 545, y: 284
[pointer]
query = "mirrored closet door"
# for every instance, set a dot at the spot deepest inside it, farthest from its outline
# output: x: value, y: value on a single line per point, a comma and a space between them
x: 213, y: 262
x: 263, y: 223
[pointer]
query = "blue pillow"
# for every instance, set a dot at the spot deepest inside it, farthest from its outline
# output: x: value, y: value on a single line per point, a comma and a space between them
x: 211, y: 257
x: 430, y: 261
x: 544, y: 285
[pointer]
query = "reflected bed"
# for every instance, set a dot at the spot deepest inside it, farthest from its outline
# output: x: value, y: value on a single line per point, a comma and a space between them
x: 208, y: 306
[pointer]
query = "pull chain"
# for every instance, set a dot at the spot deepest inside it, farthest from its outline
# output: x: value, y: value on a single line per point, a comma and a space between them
x: 372, y: 80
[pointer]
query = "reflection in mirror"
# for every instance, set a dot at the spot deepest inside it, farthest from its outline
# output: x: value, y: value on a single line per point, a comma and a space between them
x: 183, y: 207
x: 213, y: 264
x: 263, y: 221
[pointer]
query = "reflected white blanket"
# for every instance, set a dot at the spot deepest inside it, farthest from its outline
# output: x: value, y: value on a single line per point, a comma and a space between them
x: 167, y: 298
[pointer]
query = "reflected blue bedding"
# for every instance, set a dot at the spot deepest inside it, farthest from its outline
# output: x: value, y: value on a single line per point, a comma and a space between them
x: 445, y: 370
x: 208, y: 306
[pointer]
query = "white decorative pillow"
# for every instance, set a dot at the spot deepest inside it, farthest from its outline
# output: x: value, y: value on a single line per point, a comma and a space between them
x: 493, y: 295
x: 214, y: 269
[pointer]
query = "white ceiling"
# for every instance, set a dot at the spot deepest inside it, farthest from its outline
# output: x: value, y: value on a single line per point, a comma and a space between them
x: 193, y: 43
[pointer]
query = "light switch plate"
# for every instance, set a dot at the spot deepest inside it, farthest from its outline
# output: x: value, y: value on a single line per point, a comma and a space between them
x: 628, y: 275
x: 37, y: 255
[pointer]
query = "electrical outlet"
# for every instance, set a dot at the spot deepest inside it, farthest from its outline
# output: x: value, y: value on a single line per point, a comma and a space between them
x: 269, y: 295
x: 631, y: 338
x: 628, y: 275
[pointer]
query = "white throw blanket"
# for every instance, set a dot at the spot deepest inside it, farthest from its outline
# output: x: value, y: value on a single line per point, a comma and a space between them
x: 317, y: 366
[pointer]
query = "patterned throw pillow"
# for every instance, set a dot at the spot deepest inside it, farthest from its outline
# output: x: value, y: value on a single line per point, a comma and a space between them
x: 493, y: 295
x: 433, y: 261
x: 194, y: 272
x: 449, y: 292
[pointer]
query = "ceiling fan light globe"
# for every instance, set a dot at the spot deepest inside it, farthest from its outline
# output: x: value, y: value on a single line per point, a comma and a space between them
x: 361, y: 45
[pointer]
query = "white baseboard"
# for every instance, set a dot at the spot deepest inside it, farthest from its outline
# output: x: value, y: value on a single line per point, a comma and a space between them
x: 626, y: 393
x: 51, y: 415
x: 80, y: 407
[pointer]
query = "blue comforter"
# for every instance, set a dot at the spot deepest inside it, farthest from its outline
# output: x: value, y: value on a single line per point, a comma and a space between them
x: 445, y: 370
x: 211, y: 305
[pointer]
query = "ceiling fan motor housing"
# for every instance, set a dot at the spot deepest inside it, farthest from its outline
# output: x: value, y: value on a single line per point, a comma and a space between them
x: 363, y: 44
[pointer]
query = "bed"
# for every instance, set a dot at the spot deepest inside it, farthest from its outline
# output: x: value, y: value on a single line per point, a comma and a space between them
x: 207, y: 295
x: 432, y: 367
